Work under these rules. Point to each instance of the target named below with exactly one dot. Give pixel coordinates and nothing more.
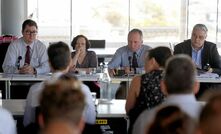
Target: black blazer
(209, 54)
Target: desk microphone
(130, 62)
(18, 62)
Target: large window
(162, 21)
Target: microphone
(130, 62)
(18, 62)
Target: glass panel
(203, 11)
(101, 19)
(53, 18)
(159, 19)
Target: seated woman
(144, 92)
(83, 60)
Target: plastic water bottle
(105, 80)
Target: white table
(88, 77)
(116, 108)
(16, 106)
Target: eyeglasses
(31, 32)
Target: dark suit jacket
(209, 54)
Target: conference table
(109, 113)
(9, 78)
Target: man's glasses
(31, 32)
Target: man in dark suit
(204, 53)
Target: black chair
(97, 43)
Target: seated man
(27, 55)
(204, 53)
(130, 57)
(62, 102)
(60, 61)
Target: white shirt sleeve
(89, 112)
(7, 123)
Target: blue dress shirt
(196, 57)
(120, 58)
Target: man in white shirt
(7, 123)
(180, 85)
(60, 61)
(27, 55)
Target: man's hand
(27, 69)
(111, 72)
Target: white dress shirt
(186, 102)
(33, 101)
(7, 123)
(39, 57)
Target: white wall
(13, 13)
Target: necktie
(27, 55)
(134, 60)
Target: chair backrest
(4, 43)
(97, 43)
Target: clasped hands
(27, 69)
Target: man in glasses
(27, 55)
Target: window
(162, 21)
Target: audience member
(210, 116)
(145, 92)
(130, 57)
(27, 55)
(172, 120)
(62, 100)
(204, 53)
(60, 127)
(179, 84)
(59, 60)
(7, 123)
(82, 58)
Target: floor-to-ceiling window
(162, 21)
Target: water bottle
(105, 80)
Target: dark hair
(179, 74)
(171, 120)
(62, 100)
(210, 115)
(59, 55)
(29, 22)
(135, 30)
(160, 54)
(74, 41)
(212, 108)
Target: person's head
(156, 58)
(59, 56)
(80, 41)
(210, 116)
(60, 126)
(198, 36)
(172, 120)
(64, 100)
(135, 39)
(179, 76)
(29, 30)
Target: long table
(9, 78)
(113, 108)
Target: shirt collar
(180, 98)
(138, 51)
(31, 45)
(193, 49)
